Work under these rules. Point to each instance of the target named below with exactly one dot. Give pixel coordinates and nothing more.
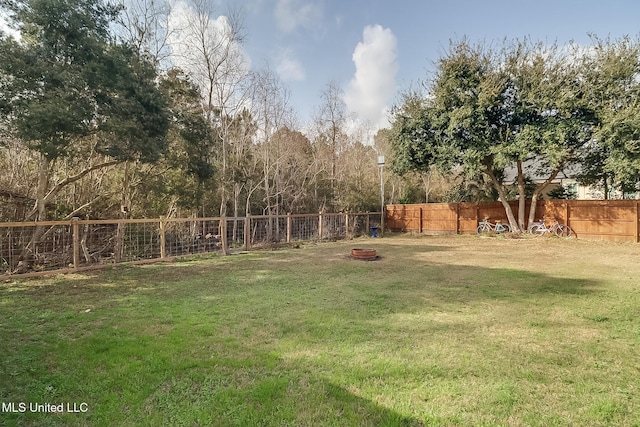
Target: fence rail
(33, 248)
(594, 219)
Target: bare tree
(145, 24)
(269, 100)
(270, 104)
(330, 121)
(210, 51)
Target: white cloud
(291, 14)
(288, 67)
(373, 84)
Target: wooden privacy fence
(32, 248)
(593, 219)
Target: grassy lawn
(439, 331)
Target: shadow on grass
(248, 387)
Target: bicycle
(540, 228)
(486, 227)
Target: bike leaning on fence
(486, 227)
(539, 228)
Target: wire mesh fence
(187, 237)
(37, 247)
(304, 227)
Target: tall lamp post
(381, 169)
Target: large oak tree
(521, 108)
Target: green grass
(439, 331)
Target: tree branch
(546, 183)
(78, 176)
(86, 205)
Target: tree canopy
(529, 108)
(68, 78)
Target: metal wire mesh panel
(137, 241)
(304, 227)
(267, 230)
(192, 237)
(357, 226)
(97, 243)
(32, 248)
(333, 226)
(12, 244)
(235, 232)
(258, 231)
(375, 219)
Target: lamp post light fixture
(381, 169)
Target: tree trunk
(538, 191)
(426, 181)
(38, 213)
(223, 187)
(522, 201)
(41, 190)
(503, 198)
(533, 207)
(237, 188)
(118, 250)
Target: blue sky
(312, 42)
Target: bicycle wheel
(500, 228)
(537, 229)
(507, 228)
(532, 226)
(564, 231)
(569, 231)
(483, 228)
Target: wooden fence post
(420, 223)
(346, 225)
(289, 227)
(223, 234)
(458, 218)
(163, 238)
(75, 230)
(320, 226)
(367, 224)
(247, 232)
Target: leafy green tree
(555, 121)
(611, 70)
(183, 181)
(189, 126)
(485, 111)
(66, 79)
(461, 123)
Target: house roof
(538, 173)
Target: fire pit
(364, 254)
